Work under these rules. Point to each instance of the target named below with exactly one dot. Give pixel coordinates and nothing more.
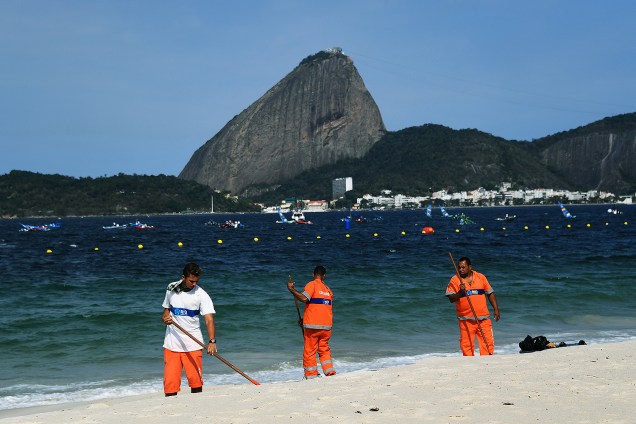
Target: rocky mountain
(320, 113)
(600, 156)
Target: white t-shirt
(185, 308)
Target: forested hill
(25, 193)
(419, 160)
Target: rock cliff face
(319, 113)
(602, 161)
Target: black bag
(530, 344)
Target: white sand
(579, 384)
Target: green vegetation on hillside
(32, 194)
(424, 159)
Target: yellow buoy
(180, 244)
(96, 249)
(289, 238)
(588, 225)
(547, 227)
(49, 251)
(375, 234)
(403, 233)
(607, 223)
(625, 223)
(569, 225)
(347, 236)
(457, 230)
(317, 237)
(219, 241)
(481, 229)
(255, 238)
(525, 227)
(503, 228)
(140, 246)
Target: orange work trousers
(173, 362)
(317, 341)
(468, 330)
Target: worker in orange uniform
(478, 289)
(317, 321)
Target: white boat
(115, 226)
(299, 217)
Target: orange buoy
(428, 230)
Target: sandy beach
(578, 384)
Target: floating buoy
(569, 225)
(607, 223)
(588, 225)
(625, 223)
(375, 234)
(318, 237)
(289, 238)
(347, 236)
(428, 230)
(96, 249)
(481, 229)
(180, 244)
(525, 227)
(403, 233)
(547, 227)
(140, 246)
(49, 251)
(457, 230)
(503, 228)
(255, 238)
(219, 241)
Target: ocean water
(83, 322)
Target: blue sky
(99, 87)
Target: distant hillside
(420, 160)
(31, 194)
(601, 155)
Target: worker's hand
(497, 316)
(462, 290)
(211, 349)
(290, 285)
(167, 318)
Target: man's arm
(209, 324)
(460, 293)
(493, 301)
(166, 317)
(298, 295)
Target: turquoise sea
(83, 321)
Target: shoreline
(580, 384)
(167, 214)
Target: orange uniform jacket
(477, 291)
(318, 314)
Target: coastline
(577, 384)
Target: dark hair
(320, 271)
(465, 259)
(191, 268)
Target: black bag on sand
(530, 344)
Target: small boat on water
(565, 212)
(283, 219)
(360, 219)
(614, 211)
(46, 227)
(507, 218)
(299, 217)
(231, 224)
(141, 226)
(115, 226)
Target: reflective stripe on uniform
(472, 318)
(182, 312)
(317, 327)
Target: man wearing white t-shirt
(183, 304)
